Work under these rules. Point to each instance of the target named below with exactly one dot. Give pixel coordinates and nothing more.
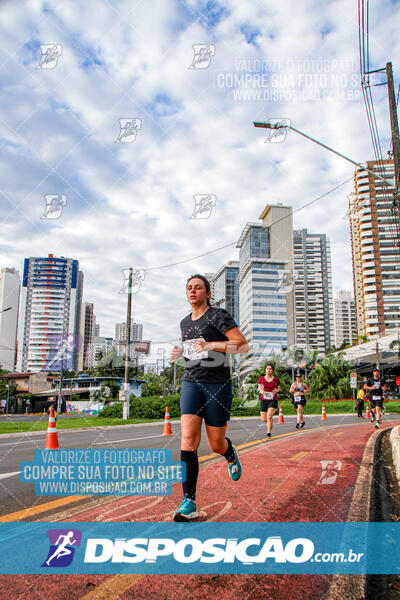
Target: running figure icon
(62, 549)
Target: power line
(180, 262)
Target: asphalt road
(16, 495)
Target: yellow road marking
(40, 508)
(299, 455)
(113, 588)
(35, 510)
(338, 433)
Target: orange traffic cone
(52, 438)
(281, 419)
(323, 416)
(367, 413)
(167, 423)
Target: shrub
(148, 407)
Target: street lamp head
(270, 125)
(6, 309)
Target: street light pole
(127, 345)
(278, 126)
(8, 397)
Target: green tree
(168, 372)
(156, 385)
(393, 345)
(279, 372)
(109, 390)
(330, 379)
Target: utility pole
(395, 129)
(377, 355)
(127, 346)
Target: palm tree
(330, 379)
(393, 345)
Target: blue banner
(124, 472)
(200, 548)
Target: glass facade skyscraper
(226, 288)
(265, 293)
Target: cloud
(130, 203)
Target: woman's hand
(201, 346)
(176, 353)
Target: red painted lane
(279, 483)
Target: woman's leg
(223, 445)
(300, 414)
(190, 440)
(270, 414)
(263, 416)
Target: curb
(395, 444)
(355, 586)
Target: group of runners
(208, 335)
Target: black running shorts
(266, 404)
(299, 400)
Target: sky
(122, 112)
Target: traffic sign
(353, 380)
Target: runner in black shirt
(376, 386)
(208, 333)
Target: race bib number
(376, 398)
(190, 353)
(268, 396)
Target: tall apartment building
(344, 318)
(100, 347)
(313, 291)
(374, 230)
(226, 288)
(210, 277)
(266, 295)
(85, 360)
(10, 284)
(136, 335)
(51, 297)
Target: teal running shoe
(235, 469)
(186, 511)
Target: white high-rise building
(345, 318)
(10, 284)
(87, 334)
(210, 277)
(51, 297)
(313, 291)
(375, 241)
(100, 347)
(136, 335)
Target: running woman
(268, 386)
(376, 387)
(208, 333)
(298, 389)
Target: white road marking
(5, 475)
(128, 440)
